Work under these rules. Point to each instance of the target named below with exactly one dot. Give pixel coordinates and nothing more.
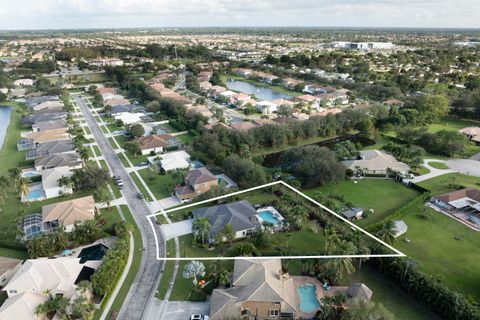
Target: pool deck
(321, 293)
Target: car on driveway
(199, 317)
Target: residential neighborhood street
(144, 285)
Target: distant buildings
(362, 45)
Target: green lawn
(186, 139)
(443, 184)
(13, 253)
(438, 165)
(167, 272)
(383, 196)
(395, 300)
(451, 124)
(137, 258)
(111, 216)
(182, 290)
(140, 186)
(160, 184)
(435, 247)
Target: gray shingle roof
(59, 160)
(239, 214)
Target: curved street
(141, 293)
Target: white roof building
(23, 82)
(377, 162)
(267, 107)
(129, 118)
(175, 160)
(400, 228)
(38, 275)
(50, 179)
(22, 306)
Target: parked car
(140, 195)
(199, 317)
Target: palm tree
(42, 310)
(301, 214)
(332, 240)
(84, 286)
(224, 278)
(65, 182)
(15, 175)
(387, 232)
(201, 228)
(23, 186)
(177, 177)
(84, 155)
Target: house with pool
(261, 290)
(241, 215)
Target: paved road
(434, 172)
(465, 166)
(176, 310)
(143, 288)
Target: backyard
(384, 196)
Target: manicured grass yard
(451, 124)
(438, 165)
(167, 272)
(160, 184)
(443, 184)
(384, 196)
(435, 247)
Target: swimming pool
(268, 216)
(30, 174)
(34, 195)
(95, 252)
(308, 298)
(196, 164)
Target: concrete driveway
(177, 229)
(176, 310)
(169, 202)
(465, 166)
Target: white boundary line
(194, 204)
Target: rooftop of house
(59, 160)
(67, 212)
(50, 124)
(471, 193)
(199, 176)
(22, 306)
(238, 214)
(256, 281)
(155, 141)
(376, 160)
(50, 177)
(49, 135)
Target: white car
(199, 317)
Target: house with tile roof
(50, 148)
(22, 306)
(51, 187)
(49, 135)
(259, 290)
(71, 160)
(66, 213)
(49, 125)
(157, 143)
(197, 181)
(376, 162)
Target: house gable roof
(67, 212)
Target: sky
(73, 14)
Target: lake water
(261, 93)
(4, 121)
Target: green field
(167, 272)
(443, 184)
(451, 124)
(160, 184)
(445, 249)
(383, 196)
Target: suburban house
(23, 82)
(41, 117)
(116, 101)
(267, 107)
(157, 143)
(123, 108)
(290, 83)
(463, 205)
(66, 213)
(375, 162)
(177, 160)
(50, 185)
(472, 133)
(259, 291)
(71, 160)
(22, 306)
(241, 215)
(315, 89)
(243, 126)
(49, 125)
(49, 105)
(306, 99)
(38, 275)
(33, 101)
(8, 267)
(202, 109)
(49, 135)
(197, 181)
(50, 148)
(129, 118)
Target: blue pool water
(308, 298)
(197, 164)
(268, 216)
(35, 195)
(30, 174)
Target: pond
(271, 160)
(261, 93)
(5, 112)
